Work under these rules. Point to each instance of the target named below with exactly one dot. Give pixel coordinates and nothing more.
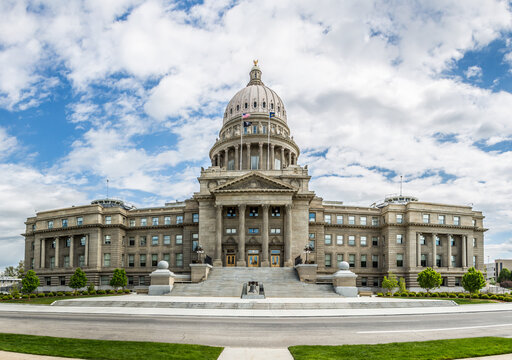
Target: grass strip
(418, 350)
(49, 300)
(105, 349)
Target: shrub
(452, 295)
(501, 297)
(6, 297)
(443, 294)
(120, 291)
(484, 296)
(60, 293)
(419, 295)
(50, 294)
(101, 292)
(404, 294)
(24, 296)
(41, 295)
(396, 294)
(412, 294)
(493, 297)
(68, 293)
(92, 292)
(127, 291)
(85, 292)
(434, 294)
(380, 294)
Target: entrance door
(230, 260)
(275, 260)
(254, 260)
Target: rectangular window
(328, 239)
(438, 260)
(312, 217)
(441, 219)
(104, 280)
(375, 221)
(362, 240)
(106, 259)
(426, 218)
(339, 258)
(399, 218)
(50, 224)
(131, 241)
(458, 281)
(231, 164)
(64, 222)
(62, 280)
(48, 280)
(375, 282)
(231, 212)
(454, 261)
(351, 220)
(179, 260)
(108, 240)
(456, 220)
(311, 244)
(275, 231)
(132, 222)
(327, 219)
(81, 260)
(167, 220)
(154, 259)
(154, 221)
(438, 241)
(255, 129)
(424, 260)
(351, 240)
(108, 220)
(474, 260)
(66, 261)
(375, 261)
(167, 257)
(142, 260)
(231, 231)
(143, 222)
(253, 211)
(399, 239)
(452, 241)
(195, 217)
(255, 162)
(130, 280)
(399, 260)
(254, 231)
(179, 219)
(474, 222)
(195, 245)
(143, 241)
(328, 260)
(339, 219)
(364, 281)
(131, 260)
(311, 235)
(277, 164)
(53, 244)
(142, 280)
(339, 239)
(276, 211)
(422, 240)
(352, 260)
(474, 242)
(179, 239)
(68, 242)
(363, 261)
(167, 239)
(375, 241)
(362, 220)
(79, 221)
(154, 240)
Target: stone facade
(254, 208)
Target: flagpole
(241, 141)
(268, 143)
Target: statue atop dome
(255, 62)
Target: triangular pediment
(254, 182)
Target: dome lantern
(255, 75)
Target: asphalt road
(260, 332)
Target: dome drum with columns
(255, 152)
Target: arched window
(246, 105)
(272, 106)
(238, 108)
(264, 104)
(231, 111)
(255, 104)
(279, 109)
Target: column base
(217, 263)
(241, 263)
(288, 263)
(264, 263)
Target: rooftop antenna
(107, 189)
(401, 178)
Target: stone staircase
(277, 283)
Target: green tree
(473, 281)
(119, 279)
(505, 275)
(17, 272)
(30, 282)
(429, 279)
(401, 285)
(389, 282)
(78, 280)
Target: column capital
(288, 207)
(242, 206)
(265, 206)
(272, 146)
(260, 144)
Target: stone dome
(162, 265)
(255, 98)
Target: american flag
(245, 116)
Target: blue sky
(134, 91)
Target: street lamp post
(199, 252)
(307, 250)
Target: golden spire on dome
(255, 62)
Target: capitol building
(254, 208)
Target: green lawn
(472, 301)
(49, 300)
(103, 349)
(420, 350)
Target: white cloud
(473, 72)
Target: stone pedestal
(344, 281)
(307, 272)
(199, 272)
(162, 279)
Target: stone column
(282, 158)
(241, 236)
(226, 158)
(86, 257)
(216, 159)
(248, 156)
(71, 252)
(260, 165)
(237, 159)
(449, 251)
(289, 157)
(434, 249)
(218, 237)
(418, 257)
(57, 247)
(43, 253)
(37, 254)
(288, 236)
(272, 161)
(464, 251)
(264, 245)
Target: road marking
(426, 330)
